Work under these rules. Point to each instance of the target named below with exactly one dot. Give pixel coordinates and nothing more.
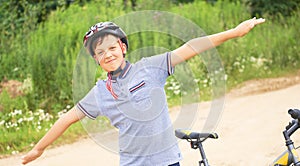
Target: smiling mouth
(110, 61)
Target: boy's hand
(32, 155)
(244, 27)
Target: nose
(107, 54)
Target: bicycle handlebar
(295, 113)
(293, 125)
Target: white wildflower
(252, 59)
(170, 88)
(177, 87)
(41, 111)
(260, 62)
(15, 69)
(176, 92)
(20, 120)
(29, 119)
(15, 152)
(18, 112)
(14, 125)
(236, 64)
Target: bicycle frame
(290, 156)
(198, 145)
(196, 140)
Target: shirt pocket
(137, 87)
(139, 94)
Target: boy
(133, 95)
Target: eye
(113, 47)
(100, 53)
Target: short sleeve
(160, 66)
(88, 105)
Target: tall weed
(48, 55)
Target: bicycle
(287, 158)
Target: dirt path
(250, 132)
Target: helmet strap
(115, 73)
(121, 45)
(111, 75)
(109, 86)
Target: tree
(272, 7)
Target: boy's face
(109, 53)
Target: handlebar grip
(295, 113)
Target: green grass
(46, 58)
(25, 138)
(22, 128)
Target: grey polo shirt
(146, 135)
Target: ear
(124, 48)
(96, 60)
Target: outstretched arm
(198, 45)
(56, 130)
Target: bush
(47, 55)
(272, 7)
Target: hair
(95, 40)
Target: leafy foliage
(272, 7)
(41, 45)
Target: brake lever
(291, 123)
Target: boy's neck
(117, 72)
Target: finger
(259, 21)
(25, 160)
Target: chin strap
(110, 75)
(109, 85)
(113, 73)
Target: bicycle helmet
(101, 29)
